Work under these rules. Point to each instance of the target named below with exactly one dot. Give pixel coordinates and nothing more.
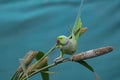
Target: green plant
(41, 65)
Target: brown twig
(87, 54)
(77, 57)
(92, 53)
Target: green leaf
(49, 72)
(85, 64)
(14, 77)
(90, 68)
(45, 76)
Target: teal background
(34, 25)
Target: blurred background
(34, 25)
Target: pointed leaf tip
(85, 64)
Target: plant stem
(53, 48)
(37, 71)
(78, 57)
